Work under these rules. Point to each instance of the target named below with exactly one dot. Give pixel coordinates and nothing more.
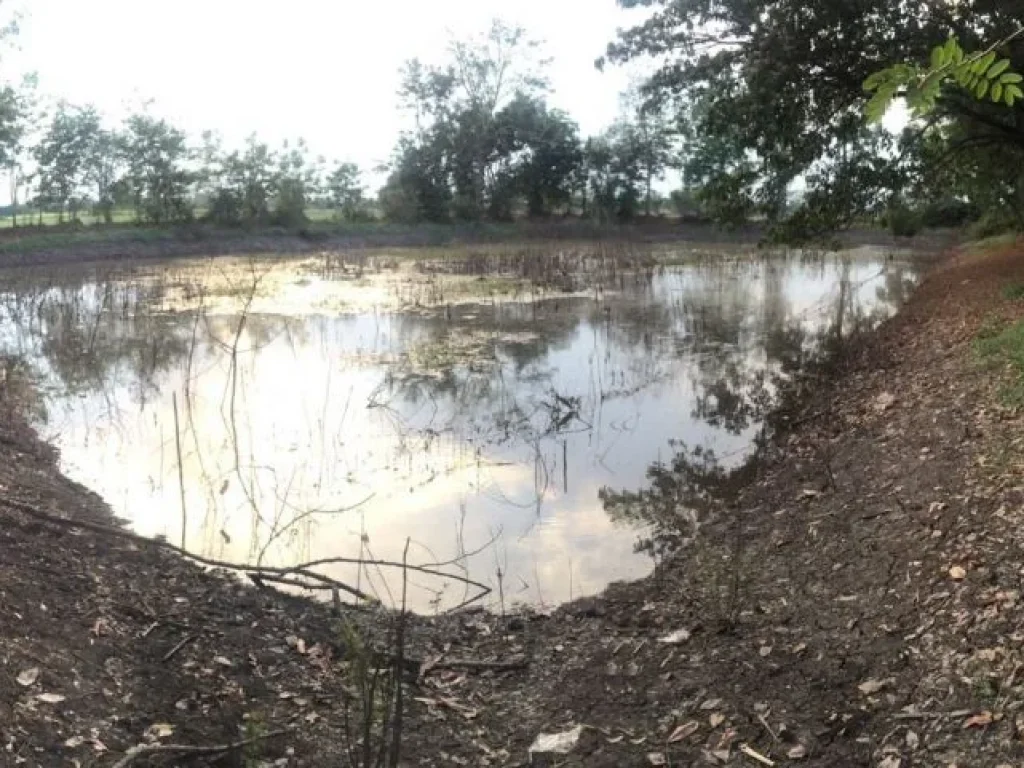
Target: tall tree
(156, 173)
(62, 155)
(455, 143)
(345, 190)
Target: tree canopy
(770, 92)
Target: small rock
(657, 758)
(28, 677)
(956, 573)
(912, 740)
(799, 752)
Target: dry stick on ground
(252, 571)
(147, 749)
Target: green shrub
(903, 221)
(948, 212)
(996, 221)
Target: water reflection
(560, 439)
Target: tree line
(483, 143)
(758, 104)
(67, 160)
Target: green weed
(1005, 348)
(1013, 291)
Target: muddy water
(505, 423)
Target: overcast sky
(325, 70)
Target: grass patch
(991, 243)
(1013, 291)
(1004, 348)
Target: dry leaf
(979, 721)
(710, 704)
(957, 573)
(160, 730)
(675, 638)
(222, 660)
(51, 698)
(869, 687)
(797, 753)
(913, 740)
(684, 731)
(892, 761)
(28, 677)
(716, 719)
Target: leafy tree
(103, 165)
(19, 115)
(156, 174)
(250, 177)
(298, 180)
(62, 155)
(652, 138)
(459, 158)
(345, 190)
(772, 89)
(541, 152)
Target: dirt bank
(34, 246)
(857, 604)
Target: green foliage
(768, 92)
(903, 221)
(982, 75)
(994, 222)
(948, 212)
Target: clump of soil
(857, 604)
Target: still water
(501, 422)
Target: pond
(499, 411)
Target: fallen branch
(146, 749)
(264, 572)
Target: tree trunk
(14, 197)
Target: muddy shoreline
(815, 622)
(54, 245)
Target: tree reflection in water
(311, 431)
